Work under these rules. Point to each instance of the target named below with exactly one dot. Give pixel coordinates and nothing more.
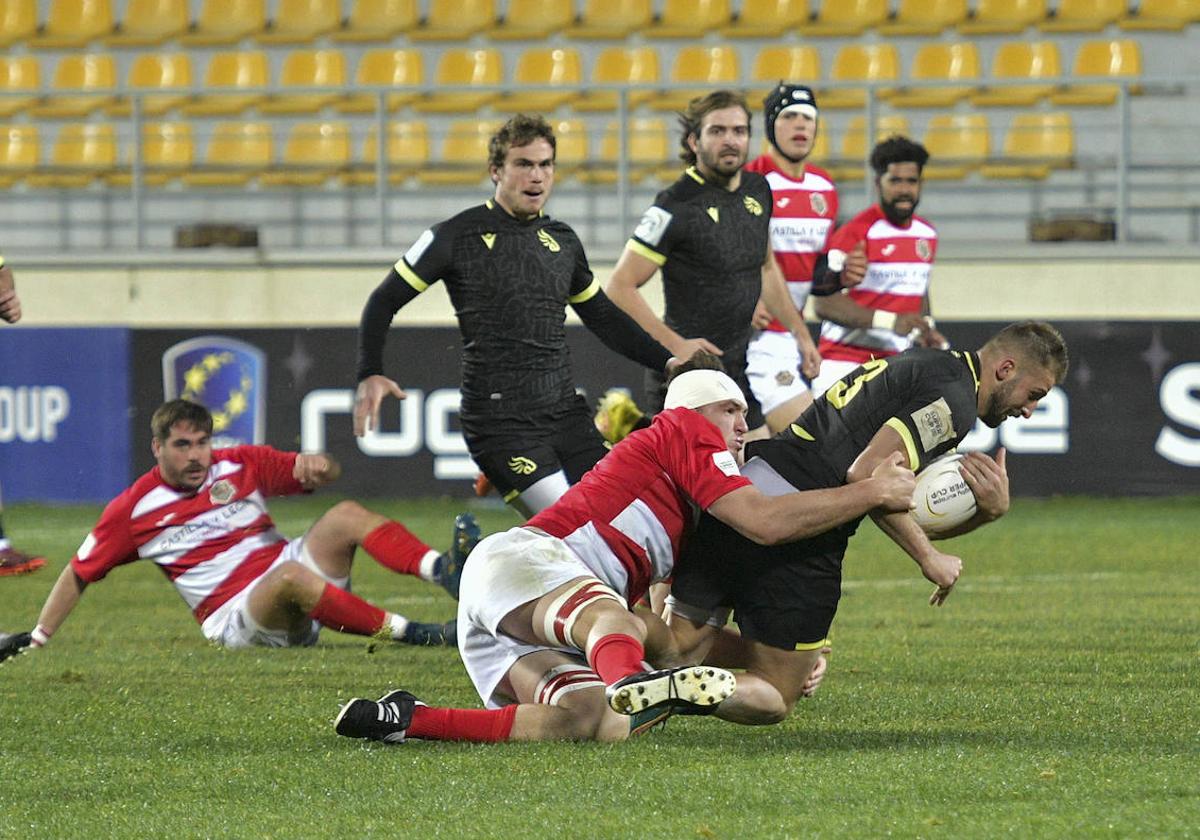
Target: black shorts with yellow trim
(515, 454)
(783, 596)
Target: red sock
(615, 656)
(346, 613)
(397, 548)
(477, 725)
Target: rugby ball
(942, 498)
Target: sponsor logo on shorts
(784, 378)
(522, 465)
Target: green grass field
(1055, 695)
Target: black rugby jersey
(509, 281)
(710, 244)
(928, 396)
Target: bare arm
(776, 300)
(623, 288)
(769, 520)
(61, 601)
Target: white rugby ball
(943, 499)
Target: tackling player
(916, 406)
(889, 311)
(201, 516)
(510, 270)
(546, 628)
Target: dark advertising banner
(1126, 421)
(64, 414)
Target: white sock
(5, 544)
(398, 625)
(427, 564)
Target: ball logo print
(228, 377)
(943, 499)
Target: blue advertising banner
(64, 414)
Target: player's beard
(712, 161)
(995, 412)
(897, 215)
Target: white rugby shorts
(773, 369)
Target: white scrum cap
(701, 387)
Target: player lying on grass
(201, 515)
(913, 407)
(546, 630)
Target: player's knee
(590, 719)
(347, 512)
(291, 579)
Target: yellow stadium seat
(706, 67)
(941, 63)
(869, 63)
(1084, 15)
(925, 17)
(19, 74)
(648, 151)
(846, 17)
(793, 64)
(766, 18)
(223, 22)
(20, 152)
(384, 68)
(539, 66)
(168, 151)
(73, 23)
(1003, 17)
(1166, 15)
(81, 153)
(1015, 61)
(307, 69)
(227, 72)
(476, 68)
(157, 72)
(237, 153)
(689, 18)
(378, 20)
(958, 144)
(301, 21)
(313, 153)
(1101, 60)
(464, 154)
(612, 19)
(455, 20)
(18, 21)
(148, 22)
(570, 147)
(621, 65)
(1034, 145)
(74, 76)
(407, 152)
(854, 141)
(533, 20)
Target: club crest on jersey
(924, 250)
(818, 203)
(222, 492)
(751, 204)
(784, 378)
(226, 376)
(522, 465)
(489, 239)
(714, 214)
(548, 240)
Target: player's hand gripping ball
(942, 498)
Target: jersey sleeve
(272, 468)
(108, 545)
(429, 258)
(697, 459)
(584, 284)
(658, 231)
(849, 234)
(935, 419)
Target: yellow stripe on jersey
(650, 254)
(801, 432)
(410, 276)
(510, 495)
(1, 261)
(694, 174)
(812, 645)
(974, 373)
(587, 294)
(914, 460)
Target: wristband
(39, 636)
(836, 260)
(883, 320)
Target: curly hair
(699, 108)
(520, 130)
(897, 149)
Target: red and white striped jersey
(899, 263)
(212, 543)
(627, 517)
(801, 221)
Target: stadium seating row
(73, 23)
(85, 83)
(316, 152)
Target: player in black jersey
(921, 404)
(510, 270)
(709, 234)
